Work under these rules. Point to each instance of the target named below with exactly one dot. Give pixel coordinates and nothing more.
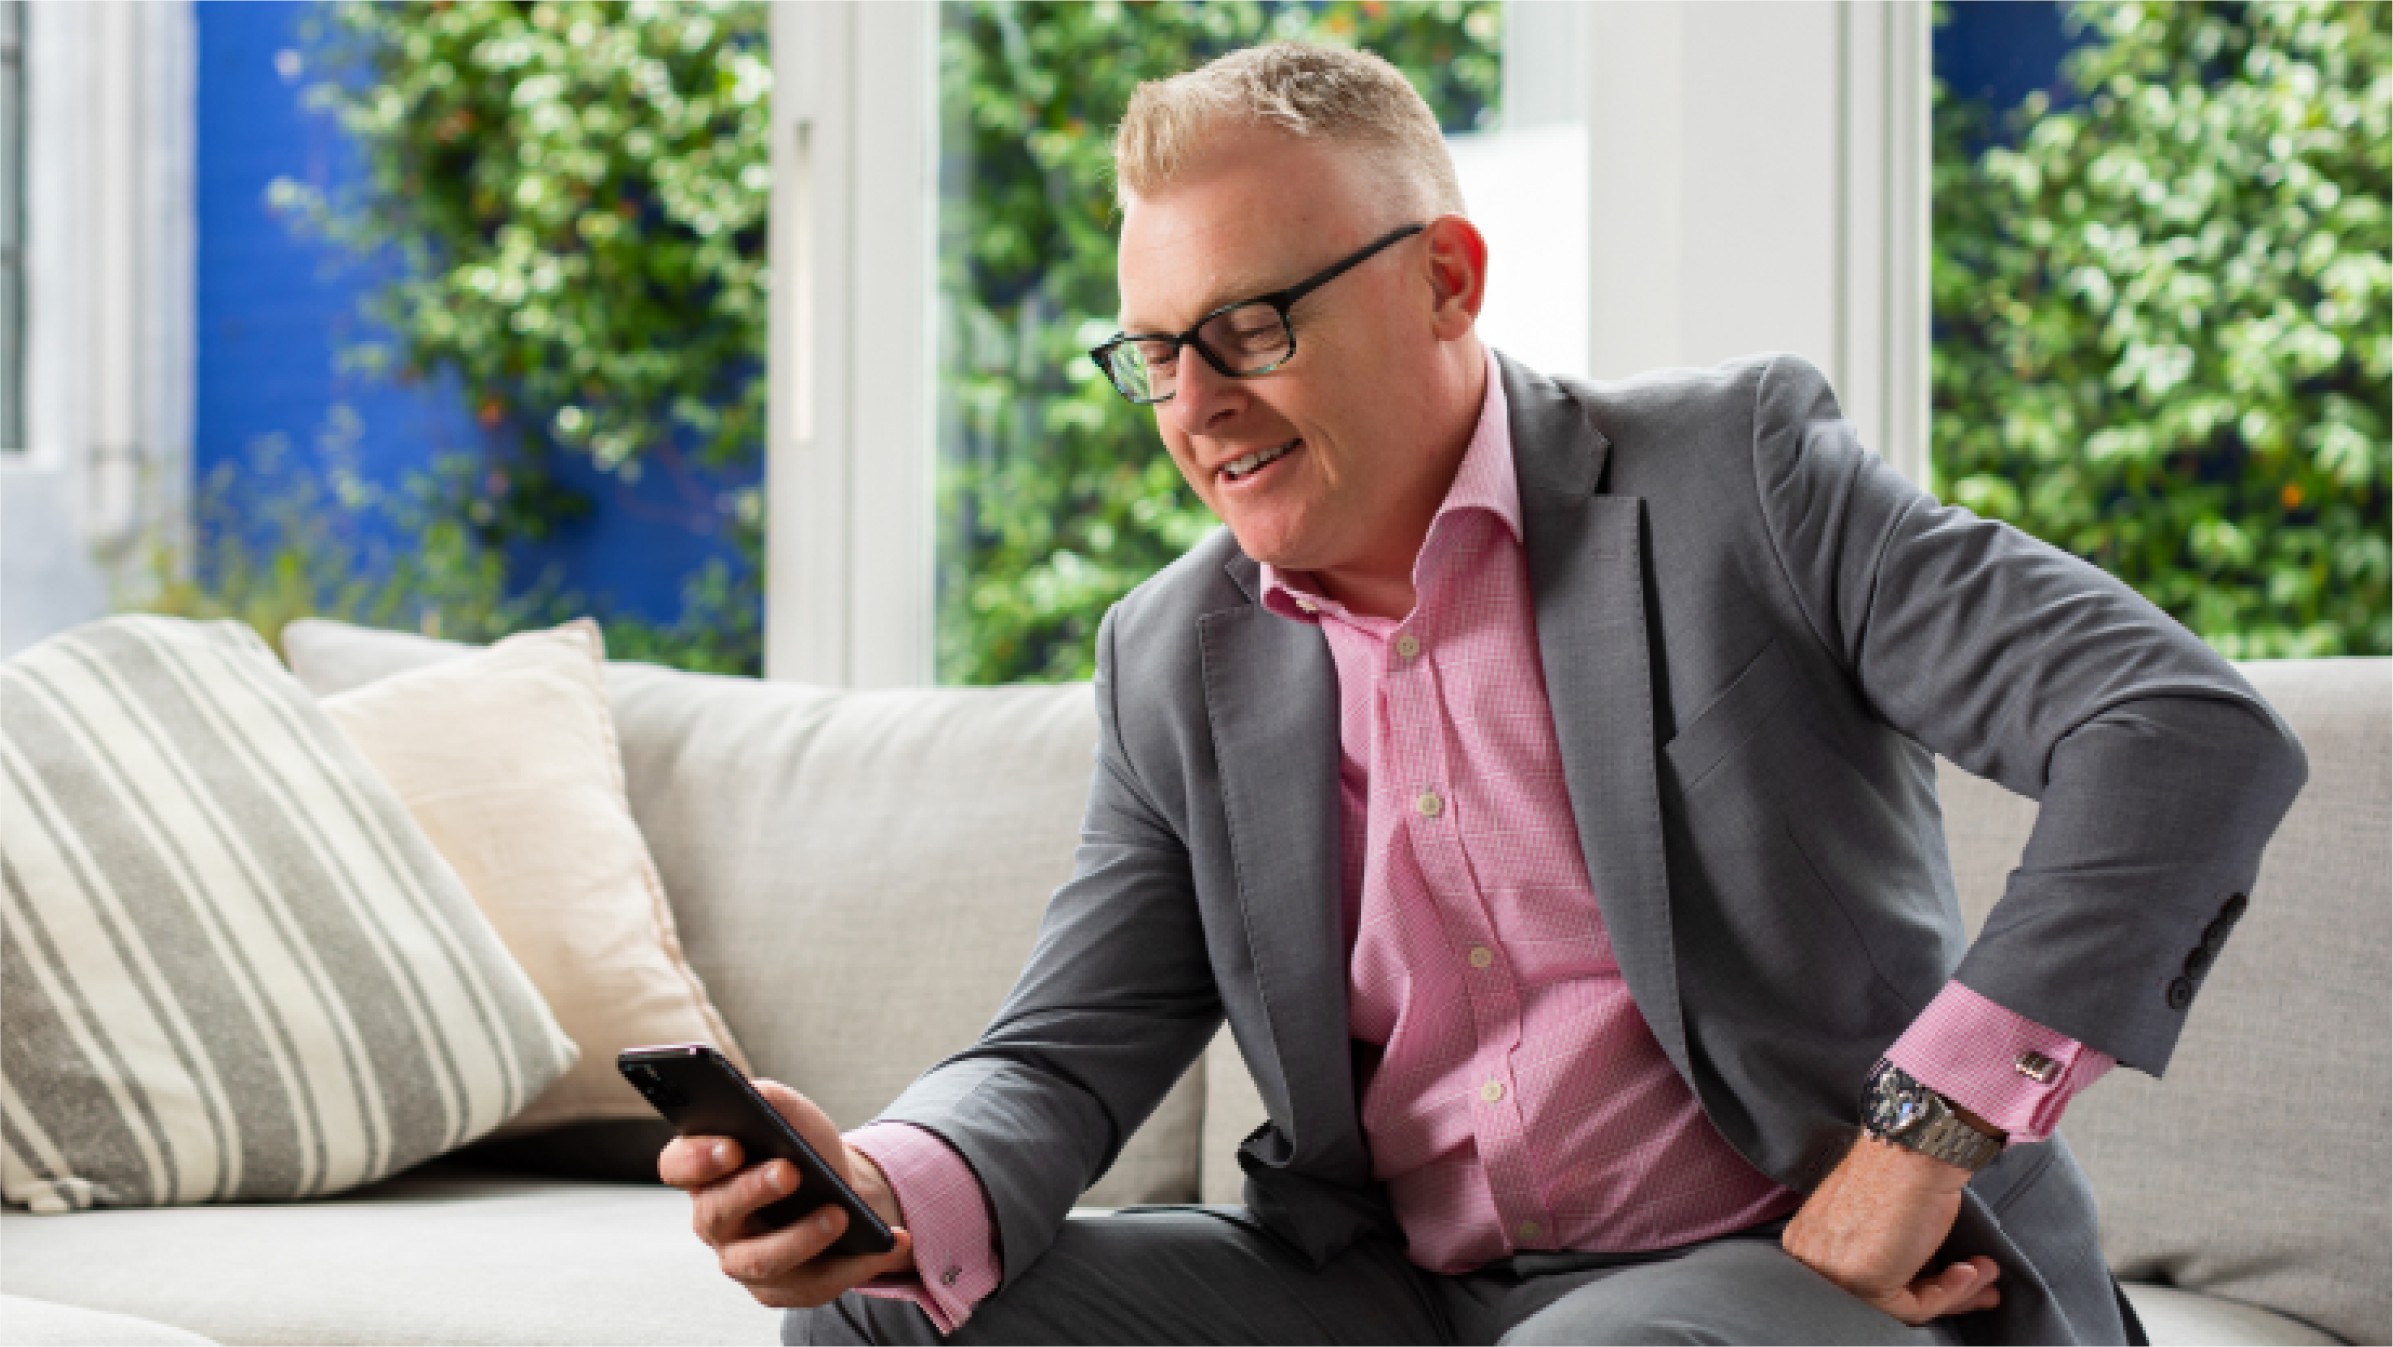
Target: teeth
(1240, 467)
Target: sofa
(857, 875)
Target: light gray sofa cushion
(2174, 1318)
(41, 1323)
(2258, 1169)
(442, 1254)
(858, 876)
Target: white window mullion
(849, 573)
(1758, 181)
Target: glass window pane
(1055, 497)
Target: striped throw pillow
(232, 968)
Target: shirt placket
(1413, 682)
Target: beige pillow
(507, 758)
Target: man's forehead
(1231, 229)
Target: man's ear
(1457, 274)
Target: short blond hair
(1350, 98)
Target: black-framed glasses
(1241, 340)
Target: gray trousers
(1211, 1274)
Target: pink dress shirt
(1516, 1099)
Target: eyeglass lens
(1245, 340)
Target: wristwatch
(1898, 1109)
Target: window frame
(1813, 221)
(110, 355)
(849, 585)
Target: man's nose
(1203, 397)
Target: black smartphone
(703, 1095)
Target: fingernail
(776, 1179)
(722, 1152)
(822, 1221)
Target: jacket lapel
(1271, 699)
(1587, 574)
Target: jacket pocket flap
(1732, 717)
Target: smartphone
(703, 1095)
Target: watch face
(1897, 1103)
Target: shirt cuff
(955, 1251)
(2009, 1070)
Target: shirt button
(1408, 645)
(948, 1278)
(1308, 605)
(1482, 956)
(1429, 804)
(1492, 1091)
(1530, 1230)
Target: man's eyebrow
(1233, 292)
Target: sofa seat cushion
(40, 1323)
(2174, 1318)
(441, 1254)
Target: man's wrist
(1913, 1170)
(874, 1187)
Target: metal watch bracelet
(1898, 1109)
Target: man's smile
(1244, 467)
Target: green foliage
(571, 199)
(321, 546)
(1055, 497)
(2164, 317)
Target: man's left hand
(1875, 1221)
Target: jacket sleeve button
(2198, 961)
(2233, 911)
(2181, 993)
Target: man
(1537, 774)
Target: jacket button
(2181, 993)
(2198, 961)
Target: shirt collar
(1487, 481)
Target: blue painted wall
(2000, 51)
(275, 312)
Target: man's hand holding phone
(791, 1267)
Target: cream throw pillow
(507, 758)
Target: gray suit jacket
(1754, 637)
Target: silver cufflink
(2037, 1067)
